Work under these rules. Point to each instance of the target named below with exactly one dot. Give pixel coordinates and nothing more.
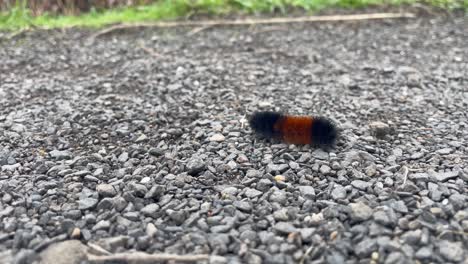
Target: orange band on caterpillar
(300, 130)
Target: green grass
(19, 17)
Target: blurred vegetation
(18, 14)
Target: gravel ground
(138, 141)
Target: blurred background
(16, 14)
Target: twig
(140, 257)
(306, 254)
(97, 250)
(16, 34)
(149, 51)
(405, 175)
(243, 121)
(197, 30)
(453, 232)
(279, 20)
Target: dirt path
(138, 141)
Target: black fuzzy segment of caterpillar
(299, 130)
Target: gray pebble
(419, 177)
(11, 167)
(395, 258)
(195, 166)
(87, 203)
(106, 204)
(320, 154)
(73, 214)
(281, 215)
(177, 216)
(424, 253)
(379, 129)
(293, 165)
(305, 157)
(365, 247)
(444, 151)
(219, 242)
(360, 211)
(361, 185)
(325, 169)
(339, 192)
(252, 193)
(11, 160)
(244, 206)
(156, 152)
(307, 233)
(106, 190)
(371, 170)
(230, 191)
(399, 206)
(253, 174)
(385, 216)
(254, 259)
(120, 203)
(276, 168)
(264, 185)
(445, 176)
(132, 216)
(248, 235)
(123, 157)
(217, 138)
(458, 201)
(60, 154)
(102, 225)
(139, 190)
(141, 138)
(307, 191)
(417, 155)
(278, 197)
(284, 228)
(150, 210)
(220, 228)
(412, 237)
(451, 251)
(155, 192)
(335, 258)
(151, 230)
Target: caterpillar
(299, 130)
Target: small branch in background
(278, 20)
(197, 30)
(149, 50)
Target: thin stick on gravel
(97, 250)
(306, 254)
(278, 20)
(453, 232)
(405, 175)
(149, 51)
(140, 257)
(197, 30)
(243, 121)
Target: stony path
(138, 142)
